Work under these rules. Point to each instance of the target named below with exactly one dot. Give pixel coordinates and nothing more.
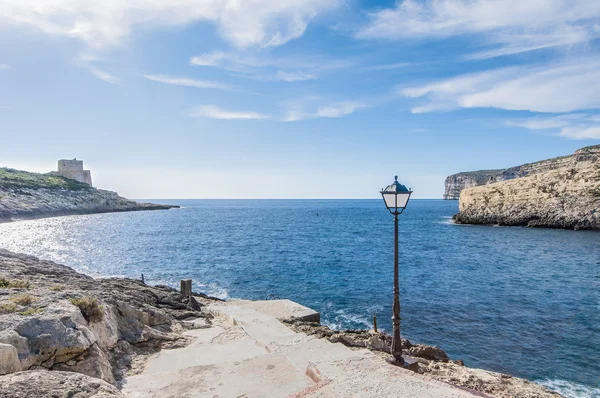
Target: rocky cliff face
(559, 193)
(457, 182)
(25, 195)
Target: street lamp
(395, 197)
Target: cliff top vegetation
(18, 179)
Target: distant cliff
(557, 193)
(457, 182)
(25, 195)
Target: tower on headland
(73, 169)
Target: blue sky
(297, 99)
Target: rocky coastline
(456, 183)
(564, 197)
(65, 332)
(25, 195)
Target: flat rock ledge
(54, 318)
(432, 361)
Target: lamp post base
(405, 362)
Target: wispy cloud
(577, 126)
(264, 23)
(562, 87)
(293, 111)
(3, 66)
(294, 76)
(398, 65)
(504, 27)
(315, 107)
(187, 82)
(214, 112)
(270, 68)
(103, 75)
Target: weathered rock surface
(565, 197)
(25, 195)
(432, 361)
(457, 182)
(42, 383)
(55, 318)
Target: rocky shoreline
(66, 332)
(565, 197)
(25, 195)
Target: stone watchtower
(73, 169)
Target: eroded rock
(49, 330)
(43, 383)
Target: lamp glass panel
(403, 200)
(390, 200)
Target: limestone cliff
(559, 193)
(25, 195)
(457, 182)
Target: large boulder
(9, 359)
(46, 384)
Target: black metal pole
(396, 341)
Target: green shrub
(90, 308)
(17, 179)
(4, 283)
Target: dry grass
(30, 311)
(57, 288)
(8, 308)
(23, 299)
(5, 283)
(90, 308)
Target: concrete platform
(280, 309)
(249, 353)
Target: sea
(520, 301)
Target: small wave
(570, 389)
(342, 320)
(215, 291)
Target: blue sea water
(514, 300)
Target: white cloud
(265, 67)
(103, 75)
(186, 82)
(505, 26)
(3, 66)
(339, 109)
(296, 110)
(294, 76)
(315, 107)
(109, 22)
(563, 87)
(577, 126)
(214, 112)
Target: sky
(295, 98)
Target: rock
(32, 195)
(428, 352)
(456, 183)
(565, 197)
(55, 335)
(46, 384)
(9, 359)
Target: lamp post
(395, 197)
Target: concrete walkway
(249, 353)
